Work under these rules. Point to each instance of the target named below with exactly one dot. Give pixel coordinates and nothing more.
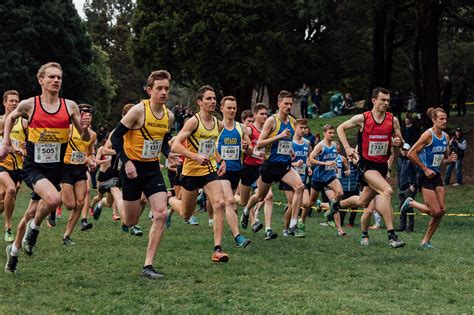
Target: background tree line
(242, 48)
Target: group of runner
(48, 143)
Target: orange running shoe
(59, 212)
(219, 256)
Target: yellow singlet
(202, 141)
(77, 149)
(145, 144)
(14, 161)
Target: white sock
(246, 211)
(268, 228)
(34, 226)
(14, 251)
(293, 223)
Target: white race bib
(15, 142)
(284, 147)
(301, 169)
(47, 152)
(230, 152)
(257, 153)
(207, 147)
(151, 149)
(339, 173)
(329, 168)
(78, 157)
(378, 148)
(437, 159)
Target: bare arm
(316, 151)
(266, 130)
(246, 138)
(398, 140)
(80, 121)
(183, 134)
(424, 140)
(354, 122)
(107, 149)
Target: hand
(221, 170)
(310, 171)
(201, 159)
(347, 173)
(292, 154)
(86, 119)
(130, 170)
(174, 160)
(351, 153)
(429, 173)
(453, 157)
(397, 142)
(285, 134)
(299, 163)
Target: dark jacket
(406, 173)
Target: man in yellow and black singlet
(10, 169)
(49, 117)
(139, 139)
(77, 159)
(199, 134)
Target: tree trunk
(378, 50)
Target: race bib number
(378, 148)
(339, 173)
(329, 168)
(301, 169)
(437, 159)
(47, 152)
(230, 152)
(151, 149)
(258, 153)
(284, 147)
(207, 147)
(78, 157)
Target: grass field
(322, 273)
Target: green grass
(319, 274)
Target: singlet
(77, 149)
(48, 135)
(432, 155)
(144, 144)
(254, 159)
(349, 183)
(375, 139)
(339, 167)
(202, 141)
(323, 173)
(301, 153)
(229, 146)
(280, 150)
(14, 161)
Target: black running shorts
(191, 183)
(149, 181)
(273, 172)
(73, 174)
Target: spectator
(406, 184)
(458, 145)
(309, 136)
(336, 103)
(397, 105)
(446, 95)
(304, 94)
(410, 132)
(462, 96)
(317, 98)
(411, 108)
(347, 104)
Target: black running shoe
(244, 221)
(257, 226)
(68, 241)
(86, 226)
(151, 273)
(270, 235)
(30, 239)
(12, 261)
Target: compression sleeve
(117, 141)
(165, 149)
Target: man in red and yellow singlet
(77, 160)
(139, 139)
(49, 118)
(376, 129)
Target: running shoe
(150, 215)
(301, 225)
(270, 235)
(192, 221)
(219, 256)
(426, 245)
(329, 218)
(285, 233)
(9, 236)
(125, 228)
(51, 223)
(296, 232)
(364, 241)
(406, 205)
(30, 239)
(115, 217)
(150, 273)
(68, 241)
(86, 225)
(244, 221)
(394, 242)
(331, 210)
(257, 226)
(97, 211)
(242, 241)
(318, 206)
(12, 261)
(136, 230)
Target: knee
(10, 191)
(79, 203)
(160, 214)
(269, 197)
(299, 188)
(388, 192)
(219, 206)
(53, 201)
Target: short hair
(301, 121)
(328, 127)
(433, 112)
(227, 98)
(42, 69)
(377, 90)
(258, 107)
(126, 108)
(203, 89)
(85, 107)
(157, 75)
(8, 93)
(283, 94)
(246, 114)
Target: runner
(139, 138)
(49, 118)
(429, 153)
(10, 169)
(200, 133)
(376, 128)
(79, 156)
(276, 136)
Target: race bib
(301, 169)
(284, 147)
(257, 153)
(230, 152)
(378, 148)
(47, 152)
(78, 157)
(437, 159)
(329, 168)
(15, 142)
(151, 149)
(339, 173)
(207, 147)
